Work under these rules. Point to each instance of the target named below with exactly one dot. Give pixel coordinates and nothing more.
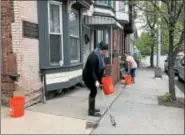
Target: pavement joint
(99, 120)
(57, 114)
(141, 103)
(140, 94)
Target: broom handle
(106, 102)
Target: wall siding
(62, 76)
(27, 52)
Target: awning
(102, 22)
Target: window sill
(105, 6)
(61, 67)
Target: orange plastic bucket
(107, 85)
(17, 106)
(128, 80)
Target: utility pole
(158, 71)
(184, 23)
(0, 43)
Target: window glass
(74, 24)
(99, 36)
(55, 41)
(107, 37)
(75, 49)
(74, 36)
(121, 6)
(54, 18)
(55, 33)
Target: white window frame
(99, 2)
(52, 33)
(77, 37)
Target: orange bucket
(128, 80)
(107, 84)
(17, 106)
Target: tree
(174, 10)
(145, 42)
(172, 15)
(151, 22)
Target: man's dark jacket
(91, 72)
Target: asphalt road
(180, 85)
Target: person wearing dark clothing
(92, 75)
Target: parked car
(177, 62)
(181, 70)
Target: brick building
(29, 48)
(20, 61)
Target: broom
(112, 119)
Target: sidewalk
(66, 114)
(137, 111)
(40, 123)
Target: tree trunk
(152, 52)
(152, 56)
(171, 65)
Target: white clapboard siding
(62, 76)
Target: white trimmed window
(102, 2)
(121, 6)
(74, 36)
(55, 32)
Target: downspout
(111, 46)
(43, 78)
(0, 45)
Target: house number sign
(30, 30)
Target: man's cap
(103, 46)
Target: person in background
(132, 66)
(92, 75)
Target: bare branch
(142, 9)
(153, 25)
(179, 12)
(148, 22)
(165, 1)
(155, 5)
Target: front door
(86, 43)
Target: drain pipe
(111, 46)
(43, 77)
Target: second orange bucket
(128, 79)
(108, 87)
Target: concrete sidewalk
(137, 111)
(41, 123)
(66, 114)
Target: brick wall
(9, 66)
(114, 70)
(27, 52)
